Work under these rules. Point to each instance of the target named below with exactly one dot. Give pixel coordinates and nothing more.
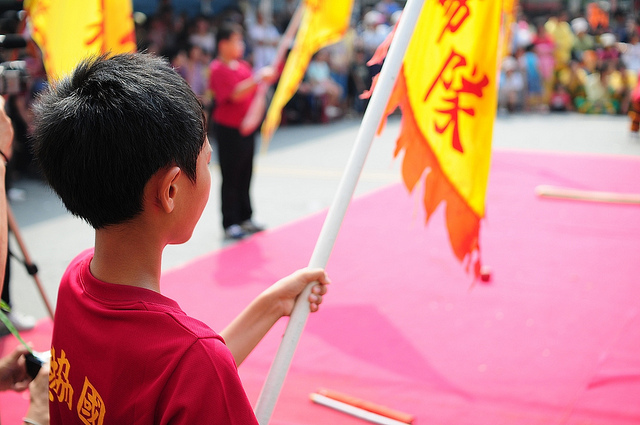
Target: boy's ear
(167, 188)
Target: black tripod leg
(31, 268)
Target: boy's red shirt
(123, 354)
(222, 82)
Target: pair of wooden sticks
(366, 410)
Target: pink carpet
(553, 338)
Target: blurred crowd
(335, 78)
(336, 75)
(561, 63)
(553, 63)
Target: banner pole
(370, 122)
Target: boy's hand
(266, 75)
(246, 330)
(286, 290)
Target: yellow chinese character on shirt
(91, 408)
(59, 378)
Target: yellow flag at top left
(68, 31)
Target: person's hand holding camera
(13, 373)
(6, 133)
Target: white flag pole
(370, 122)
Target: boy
(122, 141)
(234, 86)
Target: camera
(14, 77)
(13, 74)
(34, 361)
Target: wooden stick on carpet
(353, 410)
(368, 405)
(587, 195)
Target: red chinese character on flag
(466, 86)
(457, 11)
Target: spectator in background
(544, 47)
(322, 86)
(573, 79)
(560, 31)
(359, 81)
(387, 8)
(634, 110)
(608, 52)
(631, 53)
(599, 95)
(622, 83)
(179, 62)
(521, 32)
(619, 26)
(560, 100)
(511, 91)
(263, 37)
(530, 64)
(203, 36)
(583, 41)
(339, 58)
(196, 72)
(374, 32)
(157, 35)
(284, 16)
(181, 29)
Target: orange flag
(324, 22)
(447, 91)
(68, 31)
(597, 17)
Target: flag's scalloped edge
(463, 224)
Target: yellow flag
(509, 18)
(68, 31)
(447, 91)
(323, 22)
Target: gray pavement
(297, 176)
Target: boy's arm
(246, 330)
(247, 86)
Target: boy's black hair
(226, 30)
(102, 132)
